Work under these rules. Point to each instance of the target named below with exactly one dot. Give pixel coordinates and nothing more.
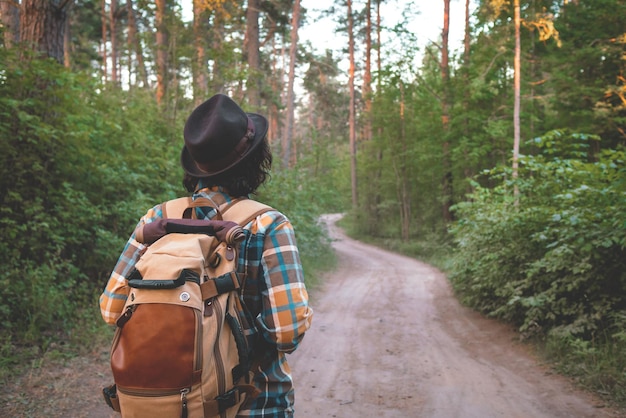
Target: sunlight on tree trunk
(517, 101)
(252, 53)
(200, 92)
(67, 45)
(161, 50)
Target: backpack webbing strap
(241, 210)
(220, 285)
(215, 407)
(244, 210)
(174, 209)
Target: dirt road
(390, 340)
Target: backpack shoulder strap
(244, 210)
(174, 209)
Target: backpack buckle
(228, 400)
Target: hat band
(236, 154)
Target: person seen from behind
(226, 156)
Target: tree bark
(252, 53)
(468, 171)
(103, 44)
(67, 45)
(352, 116)
(217, 35)
(403, 181)
(200, 92)
(161, 50)
(113, 31)
(367, 73)
(288, 158)
(10, 18)
(517, 97)
(445, 114)
(135, 45)
(42, 26)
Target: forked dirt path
(390, 340)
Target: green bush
(77, 169)
(303, 200)
(80, 162)
(554, 258)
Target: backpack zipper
(149, 393)
(199, 338)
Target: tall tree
(517, 92)
(367, 71)
(199, 69)
(162, 40)
(445, 113)
(352, 110)
(104, 41)
(42, 26)
(113, 31)
(293, 49)
(252, 45)
(134, 44)
(67, 44)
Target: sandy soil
(388, 340)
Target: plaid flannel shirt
(274, 294)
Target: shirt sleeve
(113, 298)
(286, 314)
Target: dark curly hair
(242, 179)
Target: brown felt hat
(218, 135)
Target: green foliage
(77, 168)
(79, 164)
(556, 260)
(303, 200)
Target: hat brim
(260, 130)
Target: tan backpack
(179, 349)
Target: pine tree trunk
(135, 44)
(113, 30)
(367, 74)
(288, 158)
(161, 50)
(468, 171)
(252, 52)
(10, 19)
(404, 195)
(42, 26)
(67, 45)
(517, 101)
(352, 116)
(217, 80)
(103, 43)
(445, 115)
(200, 92)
